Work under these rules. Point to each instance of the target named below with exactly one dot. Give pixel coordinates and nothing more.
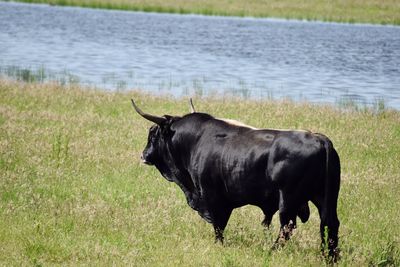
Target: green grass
(364, 11)
(73, 190)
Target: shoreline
(341, 103)
(350, 14)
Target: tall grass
(73, 190)
(367, 11)
(37, 75)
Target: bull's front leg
(219, 211)
(219, 235)
(220, 219)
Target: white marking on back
(241, 124)
(289, 130)
(238, 123)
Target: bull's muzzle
(145, 161)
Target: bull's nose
(144, 160)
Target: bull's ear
(168, 125)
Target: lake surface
(191, 54)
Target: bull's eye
(153, 134)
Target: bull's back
(297, 158)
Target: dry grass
(367, 11)
(73, 191)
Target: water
(190, 54)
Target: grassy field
(365, 11)
(73, 190)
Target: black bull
(222, 164)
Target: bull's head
(155, 147)
(157, 151)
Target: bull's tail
(329, 220)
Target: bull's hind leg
(329, 228)
(287, 216)
(326, 203)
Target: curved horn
(155, 119)
(192, 110)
